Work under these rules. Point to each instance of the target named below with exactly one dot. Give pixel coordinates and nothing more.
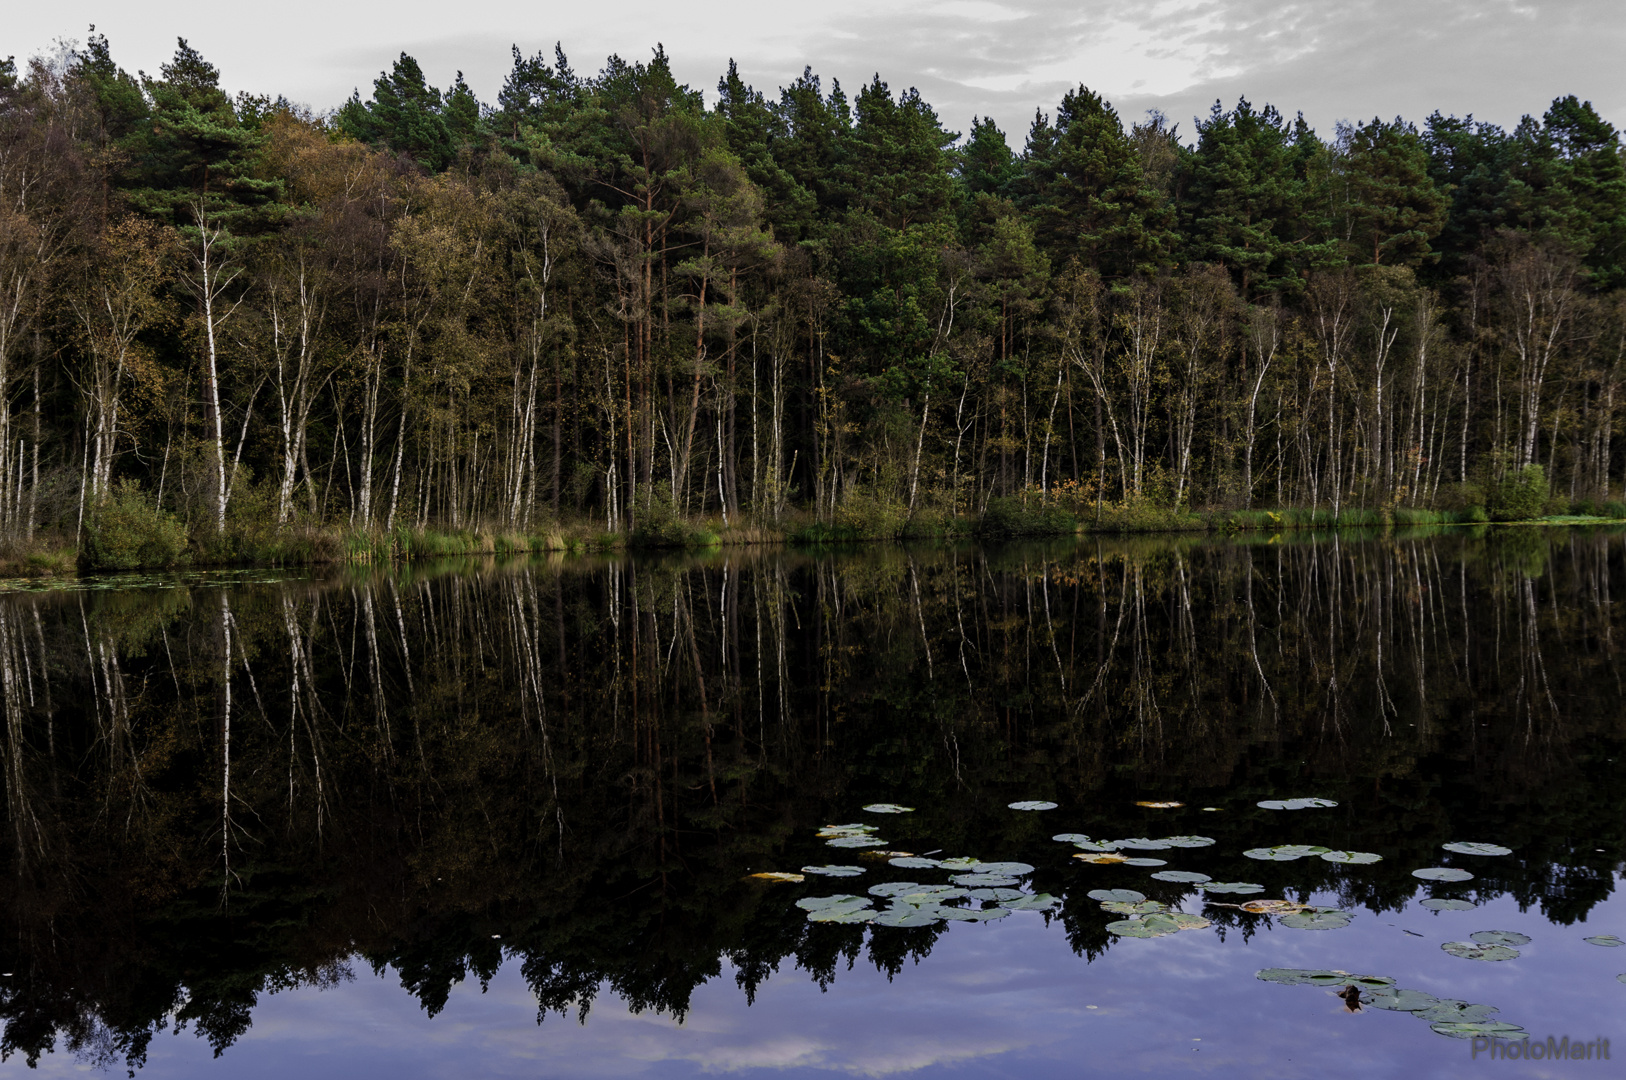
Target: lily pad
(1317, 920)
(888, 808)
(1440, 903)
(1142, 843)
(1124, 896)
(1608, 941)
(842, 915)
(996, 894)
(1144, 907)
(1296, 804)
(1102, 846)
(1189, 841)
(1146, 862)
(1621, 978)
(1184, 877)
(1303, 976)
(906, 916)
(1033, 804)
(1071, 838)
(1396, 999)
(834, 871)
(1009, 869)
(1356, 858)
(959, 862)
(1138, 928)
(1285, 852)
(1477, 849)
(929, 894)
(1160, 805)
(855, 842)
(856, 829)
(979, 879)
(1510, 938)
(914, 862)
(1241, 887)
(1105, 858)
(821, 903)
(1471, 950)
(1036, 902)
(974, 914)
(895, 888)
(1453, 1011)
(1275, 907)
(883, 855)
(1442, 873)
(778, 877)
(1490, 1029)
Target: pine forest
(611, 308)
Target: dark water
(497, 818)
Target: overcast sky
(1346, 59)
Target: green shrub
(1010, 517)
(1520, 496)
(660, 526)
(1474, 515)
(126, 532)
(1613, 508)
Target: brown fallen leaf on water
(873, 854)
(776, 877)
(1268, 907)
(1103, 860)
(1160, 805)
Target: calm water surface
(500, 818)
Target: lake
(1286, 806)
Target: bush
(660, 526)
(126, 532)
(1520, 496)
(1614, 508)
(1009, 517)
(1474, 515)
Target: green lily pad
(1396, 999)
(906, 916)
(1302, 976)
(834, 871)
(1100, 846)
(1072, 838)
(821, 903)
(1608, 941)
(888, 808)
(929, 895)
(1184, 877)
(1241, 887)
(980, 879)
(1137, 928)
(1122, 896)
(1009, 869)
(1357, 858)
(1036, 902)
(1295, 804)
(1144, 907)
(1440, 903)
(857, 828)
(1454, 1011)
(959, 862)
(1189, 841)
(1442, 873)
(973, 914)
(996, 894)
(842, 915)
(1146, 862)
(1494, 1030)
(895, 888)
(1620, 978)
(1470, 950)
(914, 862)
(855, 842)
(1510, 938)
(1033, 804)
(1285, 852)
(1316, 920)
(1142, 843)
(1477, 849)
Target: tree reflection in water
(217, 791)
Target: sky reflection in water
(1003, 999)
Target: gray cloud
(1001, 58)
